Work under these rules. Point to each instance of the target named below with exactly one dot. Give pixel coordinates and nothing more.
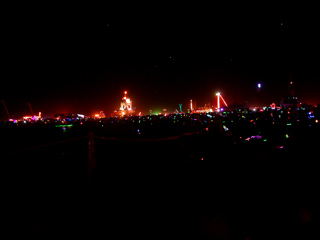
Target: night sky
(79, 58)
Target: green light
(288, 124)
(265, 140)
(64, 125)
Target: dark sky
(80, 58)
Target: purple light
(257, 137)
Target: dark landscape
(208, 183)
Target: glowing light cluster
(34, 117)
(125, 106)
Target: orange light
(125, 92)
(317, 120)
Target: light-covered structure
(126, 108)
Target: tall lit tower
(291, 89)
(218, 100)
(191, 106)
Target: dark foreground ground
(162, 189)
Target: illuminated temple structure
(126, 108)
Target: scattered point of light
(316, 120)
(288, 124)
(264, 140)
(259, 85)
(201, 159)
(287, 136)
